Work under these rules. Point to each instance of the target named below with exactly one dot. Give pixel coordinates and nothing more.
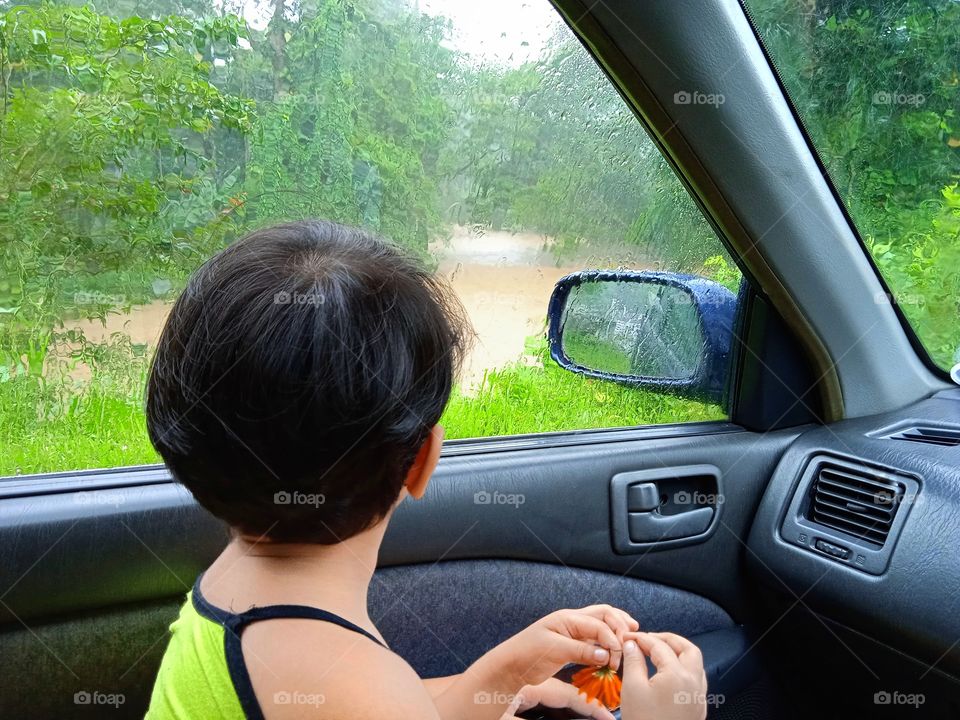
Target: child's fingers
(662, 655)
(555, 693)
(582, 652)
(690, 656)
(619, 620)
(634, 661)
(585, 627)
(516, 706)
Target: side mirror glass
(663, 331)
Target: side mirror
(662, 331)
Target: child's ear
(425, 463)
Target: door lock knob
(643, 497)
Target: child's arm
(306, 669)
(490, 686)
(437, 686)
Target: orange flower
(601, 684)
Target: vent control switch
(832, 550)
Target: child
(295, 392)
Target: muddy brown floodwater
(503, 279)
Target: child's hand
(555, 693)
(676, 692)
(589, 636)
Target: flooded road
(504, 281)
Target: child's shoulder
(300, 667)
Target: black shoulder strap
(234, 624)
(304, 612)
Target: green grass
(45, 431)
(522, 399)
(46, 426)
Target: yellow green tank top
(203, 675)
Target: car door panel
(58, 661)
(443, 616)
(475, 571)
(565, 514)
(129, 544)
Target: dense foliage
(104, 165)
(133, 148)
(878, 85)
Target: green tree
(102, 161)
(550, 147)
(356, 135)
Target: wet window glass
(139, 138)
(878, 88)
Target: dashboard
(861, 520)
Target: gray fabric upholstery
(442, 617)
(116, 651)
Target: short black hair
(297, 376)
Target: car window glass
(139, 138)
(878, 89)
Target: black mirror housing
(667, 332)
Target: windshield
(877, 85)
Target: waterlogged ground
(503, 279)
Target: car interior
(808, 544)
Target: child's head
(297, 377)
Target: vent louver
(945, 437)
(855, 502)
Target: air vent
(855, 502)
(946, 437)
(850, 511)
